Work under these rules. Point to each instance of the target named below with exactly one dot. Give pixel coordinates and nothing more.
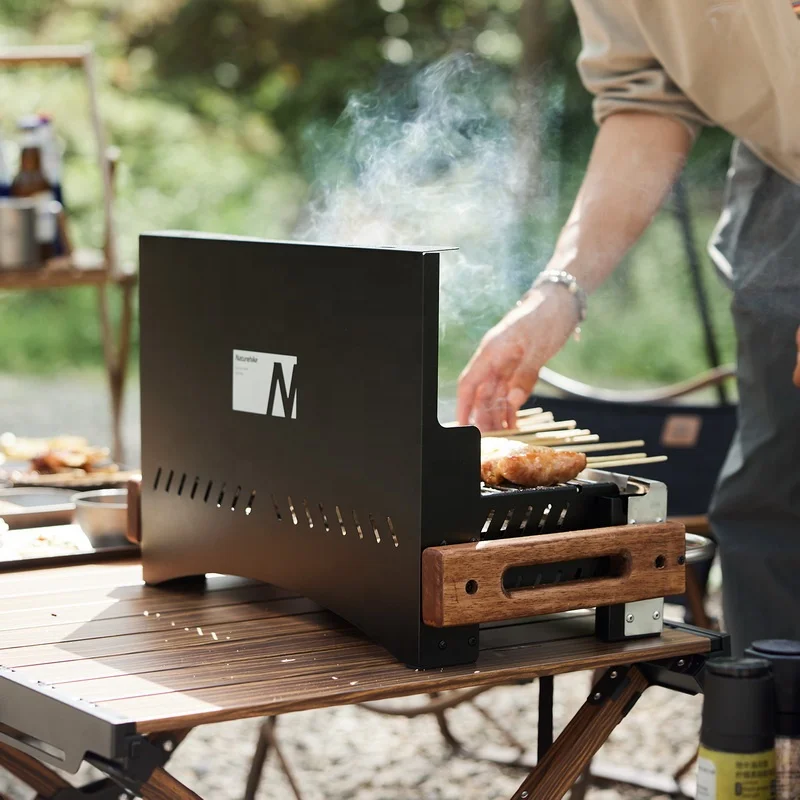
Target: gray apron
(755, 514)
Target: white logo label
(263, 383)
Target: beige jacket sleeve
(617, 66)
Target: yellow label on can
(728, 776)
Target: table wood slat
(88, 604)
(161, 644)
(240, 649)
(157, 624)
(389, 679)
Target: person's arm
(635, 159)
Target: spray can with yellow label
(737, 739)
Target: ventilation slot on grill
(277, 510)
(341, 521)
(375, 529)
(221, 496)
(324, 517)
(169, 480)
(208, 491)
(194, 488)
(526, 519)
(236, 498)
(158, 478)
(391, 530)
(358, 525)
(507, 520)
(562, 516)
(545, 515)
(181, 484)
(308, 514)
(291, 510)
(488, 522)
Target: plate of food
(68, 462)
(34, 507)
(54, 545)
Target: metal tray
(28, 548)
(35, 507)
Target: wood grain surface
(463, 584)
(175, 657)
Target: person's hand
(796, 376)
(504, 369)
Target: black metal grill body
(338, 502)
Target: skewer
(529, 412)
(634, 462)
(602, 446)
(619, 457)
(526, 422)
(538, 428)
(584, 438)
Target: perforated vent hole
(375, 529)
(221, 496)
(291, 511)
(562, 516)
(358, 525)
(545, 515)
(277, 510)
(308, 514)
(208, 491)
(324, 517)
(158, 478)
(194, 488)
(507, 520)
(391, 530)
(236, 498)
(169, 480)
(341, 521)
(526, 518)
(181, 484)
(488, 522)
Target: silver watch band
(570, 282)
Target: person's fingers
(521, 384)
(468, 382)
(485, 406)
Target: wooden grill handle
(462, 584)
(133, 531)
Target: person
(659, 71)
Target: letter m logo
(264, 383)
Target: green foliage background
(213, 103)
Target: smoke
(434, 160)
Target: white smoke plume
(436, 160)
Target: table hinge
(131, 772)
(609, 686)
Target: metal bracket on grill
(647, 502)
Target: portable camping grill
(290, 434)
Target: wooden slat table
(98, 666)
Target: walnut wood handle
(463, 584)
(133, 531)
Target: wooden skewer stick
(538, 428)
(599, 447)
(527, 422)
(635, 462)
(529, 412)
(618, 457)
(565, 444)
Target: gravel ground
(349, 753)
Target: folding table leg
(31, 772)
(611, 699)
(162, 786)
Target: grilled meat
(505, 460)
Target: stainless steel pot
(18, 245)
